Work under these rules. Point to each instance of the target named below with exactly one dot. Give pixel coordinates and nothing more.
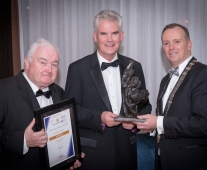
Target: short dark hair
(173, 25)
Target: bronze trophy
(133, 95)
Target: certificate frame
(59, 120)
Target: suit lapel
(55, 97)
(122, 66)
(123, 63)
(26, 92)
(178, 84)
(165, 83)
(98, 80)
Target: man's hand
(77, 163)
(149, 125)
(35, 139)
(108, 119)
(128, 125)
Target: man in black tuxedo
(19, 142)
(181, 120)
(97, 89)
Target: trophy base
(127, 119)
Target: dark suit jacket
(184, 143)
(17, 105)
(115, 147)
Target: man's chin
(46, 83)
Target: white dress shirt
(42, 100)
(173, 81)
(112, 81)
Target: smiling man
(95, 82)
(176, 45)
(181, 120)
(19, 97)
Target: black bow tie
(47, 94)
(106, 65)
(175, 71)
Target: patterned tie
(106, 65)
(173, 71)
(47, 94)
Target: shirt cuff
(25, 148)
(152, 133)
(160, 128)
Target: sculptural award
(133, 95)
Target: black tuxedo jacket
(115, 147)
(184, 142)
(17, 105)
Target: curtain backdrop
(69, 25)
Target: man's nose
(49, 68)
(109, 37)
(171, 45)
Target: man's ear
(189, 44)
(95, 36)
(122, 36)
(26, 63)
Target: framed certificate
(60, 122)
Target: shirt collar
(32, 85)
(183, 65)
(101, 59)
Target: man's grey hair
(40, 42)
(107, 15)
